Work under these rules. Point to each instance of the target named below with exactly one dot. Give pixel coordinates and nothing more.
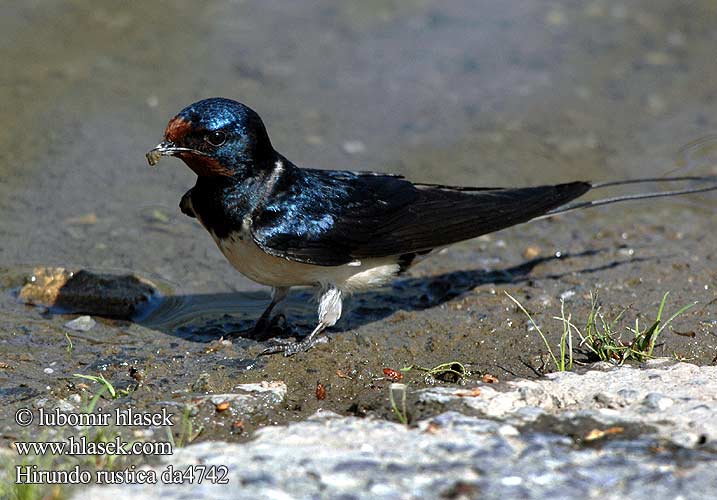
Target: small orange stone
(320, 391)
(392, 374)
(531, 252)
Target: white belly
(243, 253)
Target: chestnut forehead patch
(177, 128)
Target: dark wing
(331, 218)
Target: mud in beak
(165, 148)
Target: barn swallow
(338, 231)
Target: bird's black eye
(216, 138)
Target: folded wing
(332, 218)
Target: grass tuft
(187, 433)
(70, 346)
(453, 371)
(600, 338)
(564, 360)
(106, 384)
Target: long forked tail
(712, 186)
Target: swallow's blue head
(216, 137)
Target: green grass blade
(535, 325)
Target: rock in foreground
(118, 296)
(677, 401)
(455, 456)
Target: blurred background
(490, 92)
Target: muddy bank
(187, 346)
(498, 93)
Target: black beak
(165, 148)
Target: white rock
(81, 324)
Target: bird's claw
(289, 348)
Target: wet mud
(501, 94)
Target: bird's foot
(289, 348)
(265, 328)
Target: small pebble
(320, 391)
(48, 371)
(65, 406)
(81, 324)
(531, 252)
(512, 481)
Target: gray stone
(673, 399)
(515, 445)
(81, 324)
(250, 398)
(65, 406)
(449, 456)
(274, 391)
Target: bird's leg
(329, 314)
(263, 325)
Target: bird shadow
(208, 317)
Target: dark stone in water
(117, 296)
